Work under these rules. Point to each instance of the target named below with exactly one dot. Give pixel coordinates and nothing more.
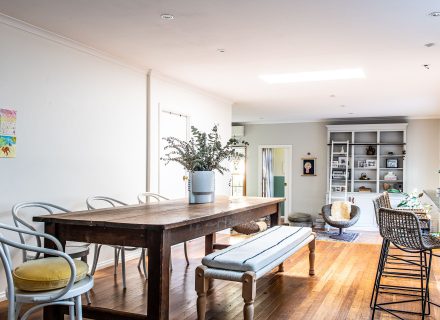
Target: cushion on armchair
(341, 211)
(47, 274)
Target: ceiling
(385, 38)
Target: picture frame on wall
(308, 166)
(392, 163)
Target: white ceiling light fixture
(167, 16)
(221, 50)
(324, 75)
(435, 14)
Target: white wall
(423, 150)
(204, 111)
(81, 127)
(308, 193)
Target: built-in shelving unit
(368, 170)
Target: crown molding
(67, 42)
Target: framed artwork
(309, 166)
(370, 164)
(8, 139)
(392, 163)
(342, 161)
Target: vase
(201, 186)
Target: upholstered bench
(251, 259)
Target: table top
(160, 215)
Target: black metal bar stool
(402, 229)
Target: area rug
(334, 236)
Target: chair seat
(78, 288)
(257, 252)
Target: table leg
(159, 250)
(52, 312)
(209, 243)
(275, 217)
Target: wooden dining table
(156, 226)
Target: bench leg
(249, 292)
(202, 285)
(312, 246)
(281, 267)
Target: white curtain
(267, 188)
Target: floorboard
(341, 288)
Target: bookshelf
(376, 162)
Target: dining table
(155, 226)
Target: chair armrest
(56, 253)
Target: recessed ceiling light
(332, 96)
(342, 105)
(350, 113)
(435, 14)
(313, 76)
(430, 44)
(167, 16)
(221, 50)
(426, 66)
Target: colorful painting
(8, 137)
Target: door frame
(159, 145)
(288, 171)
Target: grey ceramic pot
(201, 186)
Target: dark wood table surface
(156, 226)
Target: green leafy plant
(203, 151)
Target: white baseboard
(101, 265)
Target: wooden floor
(341, 288)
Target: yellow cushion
(47, 274)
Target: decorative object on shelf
(392, 163)
(387, 186)
(390, 176)
(371, 151)
(342, 161)
(393, 191)
(362, 164)
(342, 150)
(339, 174)
(335, 164)
(201, 155)
(390, 153)
(371, 164)
(308, 165)
(8, 138)
(339, 188)
(364, 189)
(363, 176)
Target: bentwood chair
(20, 215)
(68, 294)
(118, 250)
(144, 198)
(403, 230)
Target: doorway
(173, 179)
(274, 174)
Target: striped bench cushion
(259, 251)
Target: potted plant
(201, 156)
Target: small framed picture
(342, 161)
(308, 166)
(392, 163)
(370, 164)
(361, 163)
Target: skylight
(324, 75)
